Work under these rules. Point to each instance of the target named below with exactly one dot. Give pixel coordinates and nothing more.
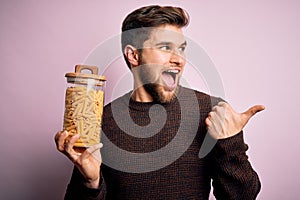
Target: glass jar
(84, 101)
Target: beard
(154, 85)
(159, 94)
(151, 79)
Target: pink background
(255, 46)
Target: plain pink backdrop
(254, 45)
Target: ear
(132, 55)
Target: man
(153, 46)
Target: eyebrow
(170, 43)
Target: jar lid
(79, 69)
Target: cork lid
(79, 73)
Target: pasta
(83, 114)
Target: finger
(217, 117)
(213, 121)
(95, 147)
(93, 151)
(219, 105)
(221, 108)
(209, 125)
(222, 103)
(208, 122)
(210, 116)
(252, 111)
(214, 108)
(211, 128)
(60, 140)
(70, 144)
(69, 148)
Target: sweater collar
(145, 106)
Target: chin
(168, 96)
(159, 94)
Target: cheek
(150, 73)
(165, 58)
(159, 57)
(183, 59)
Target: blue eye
(164, 48)
(181, 49)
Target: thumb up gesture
(223, 122)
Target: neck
(139, 92)
(141, 95)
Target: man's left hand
(223, 122)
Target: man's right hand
(88, 162)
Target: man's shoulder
(202, 97)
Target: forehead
(166, 33)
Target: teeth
(173, 71)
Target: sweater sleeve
(232, 174)
(77, 190)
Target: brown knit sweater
(185, 177)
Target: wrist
(94, 184)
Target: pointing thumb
(252, 111)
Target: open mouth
(170, 79)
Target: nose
(177, 58)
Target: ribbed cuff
(234, 144)
(93, 192)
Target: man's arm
(232, 174)
(86, 181)
(77, 188)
